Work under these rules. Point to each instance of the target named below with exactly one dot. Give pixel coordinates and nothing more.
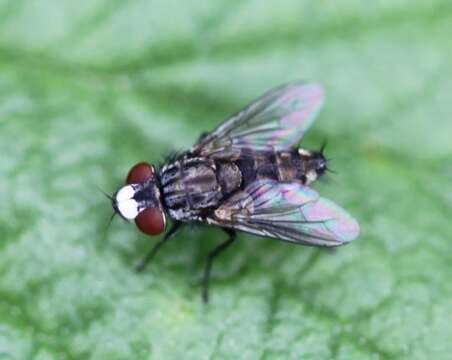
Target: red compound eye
(151, 221)
(140, 173)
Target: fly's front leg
(145, 261)
(212, 255)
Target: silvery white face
(125, 203)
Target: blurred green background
(88, 88)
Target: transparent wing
(287, 211)
(276, 121)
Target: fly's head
(140, 200)
(316, 163)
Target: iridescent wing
(274, 122)
(287, 211)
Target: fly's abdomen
(283, 166)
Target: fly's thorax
(229, 176)
(189, 186)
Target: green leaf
(88, 88)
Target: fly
(246, 175)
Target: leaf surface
(89, 88)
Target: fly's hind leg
(212, 255)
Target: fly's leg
(145, 261)
(212, 255)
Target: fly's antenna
(110, 197)
(107, 195)
(331, 171)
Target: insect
(246, 175)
